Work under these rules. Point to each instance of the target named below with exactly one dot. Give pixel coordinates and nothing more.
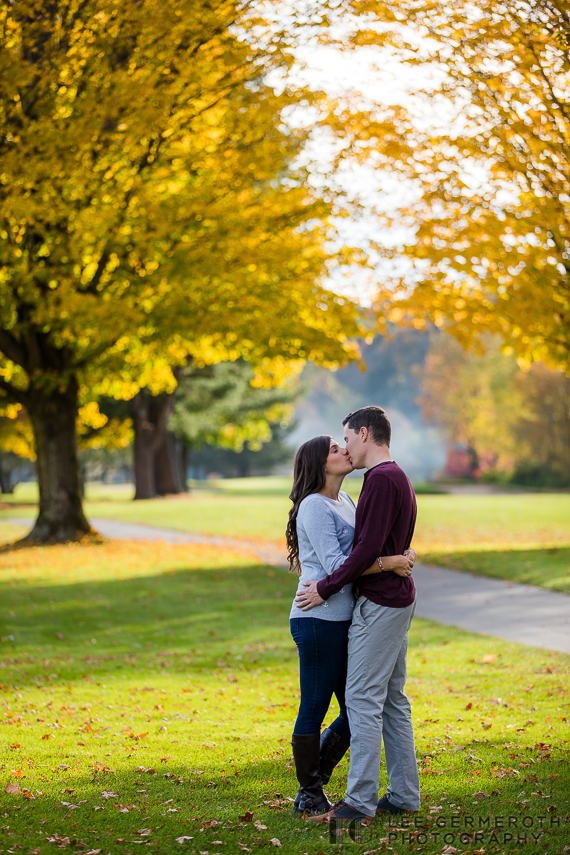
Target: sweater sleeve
(319, 523)
(377, 508)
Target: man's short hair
(374, 419)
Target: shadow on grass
(231, 618)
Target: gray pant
(378, 708)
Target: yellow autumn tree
(484, 142)
(153, 210)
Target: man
(378, 637)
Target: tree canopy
(485, 146)
(152, 209)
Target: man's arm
(378, 507)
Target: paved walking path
(487, 606)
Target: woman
(319, 539)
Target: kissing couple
(350, 619)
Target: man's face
(354, 442)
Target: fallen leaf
(276, 842)
(488, 658)
(449, 850)
(12, 789)
(94, 852)
(47, 736)
(243, 847)
(183, 839)
(480, 795)
(247, 817)
(109, 794)
(259, 826)
(14, 746)
(144, 832)
(469, 706)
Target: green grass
(166, 677)
(547, 568)
(520, 537)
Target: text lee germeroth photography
(284, 427)
(447, 830)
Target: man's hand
(308, 599)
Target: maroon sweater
(385, 520)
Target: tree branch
(15, 394)
(12, 348)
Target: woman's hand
(400, 564)
(411, 555)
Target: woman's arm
(319, 524)
(400, 564)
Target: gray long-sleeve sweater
(325, 531)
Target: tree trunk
(150, 414)
(6, 483)
(167, 468)
(473, 460)
(53, 416)
(184, 461)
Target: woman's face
(338, 461)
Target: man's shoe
(386, 806)
(343, 812)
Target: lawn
(519, 537)
(149, 693)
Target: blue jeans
(323, 646)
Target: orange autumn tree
(514, 425)
(153, 211)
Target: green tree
(219, 406)
(152, 210)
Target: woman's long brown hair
(308, 477)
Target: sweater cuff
(321, 589)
